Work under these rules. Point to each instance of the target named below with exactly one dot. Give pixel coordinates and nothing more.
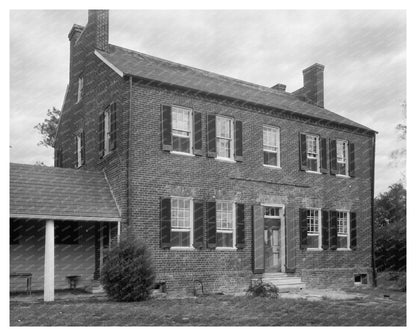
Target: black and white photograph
(207, 167)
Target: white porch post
(49, 277)
(118, 231)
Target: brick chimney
(98, 23)
(279, 87)
(313, 84)
(73, 36)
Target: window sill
(314, 249)
(225, 159)
(182, 153)
(313, 172)
(342, 176)
(226, 248)
(273, 167)
(343, 249)
(182, 248)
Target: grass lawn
(214, 311)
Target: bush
(127, 273)
(263, 289)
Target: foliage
(49, 127)
(399, 155)
(127, 273)
(390, 229)
(263, 289)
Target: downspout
(373, 257)
(128, 152)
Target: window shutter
(353, 231)
(165, 226)
(333, 157)
(351, 159)
(166, 128)
(113, 126)
(198, 225)
(197, 133)
(211, 136)
(82, 148)
(325, 229)
(324, 156)
(302, 152)
(258, 239)
(238, 140)
(303, 229)
(291, 239)
(240, 226)
(333, 230)
(211, 224)
(101, 135)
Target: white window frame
(191, 224)
(348, 230)
(345, 161)
(277, 151)
(234, 232)
(107, 130)
(79, 149)
(318, 154)
(191, 130)
(80, 91)
(217, 137)
(319, 234)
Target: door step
(95, 287)
(284, 282)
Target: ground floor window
(343, 229)
(181, 222)
(313, 219)
(225, 224)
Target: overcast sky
(364, 53)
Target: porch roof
(60, 193)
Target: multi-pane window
(343, 229)
(181, 222)
(107, 130)
(342, 157)
(312, 152)
(271, 143)
(80, 89)
(225, 138)
(271, 211)
(225, 224)
(79, 150)
(313, 221)
(181, 129)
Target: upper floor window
(225, 224)
(313, 222)
(181, 129)
(80, 144)
(271, 144)
(80, 88)
(312, 152)
(181, 222)
(342, 157)
(107, 130)
(343, 229)
(225, 139)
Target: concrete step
(284, 281)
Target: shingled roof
(140, 65)
(60, 193)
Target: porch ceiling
(60, 193)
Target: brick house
(226, 181)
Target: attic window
(80, 88)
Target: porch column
(118, 231)
(49, 276)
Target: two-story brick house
(224, 180)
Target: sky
(364, 53)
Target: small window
(312, 152)
(181, 129)
(313, 220)
(271, 144)
(343, 229)
(271, 212)
(225, 224)
(66, 233)
(360, 279)
(181, 222)
(225, 137)
(80, 89)
(342, 157)
(80, 148)
(107, 131)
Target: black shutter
(113, 126)
(291, 239)
(333, 230)
(198, 224)
(302, 152)
(324, 155)
(238, 140)
(165, 226)
(211, 136)
(258, 239)
(353, 231)
(82, 148)
(333, 157)
(101, 135)
(166, 128)
(240, 226)
(303, 229)
(211, 224)
(325, 229)
(351, 159)
(197, 133)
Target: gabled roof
(129, 62)
(60, 193)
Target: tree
(399, 155)
(49, 127)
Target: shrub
(127, 272)
(263, 289)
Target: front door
(272, 239)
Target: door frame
(282, 232)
